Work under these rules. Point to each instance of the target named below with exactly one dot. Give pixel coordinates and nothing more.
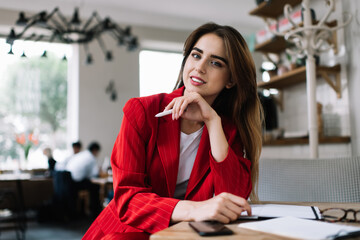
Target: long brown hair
(239, 103)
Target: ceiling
(182, 15)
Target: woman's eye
(195, 55)
(217, 64)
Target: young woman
(200, 162)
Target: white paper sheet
(283, 210)
(299, 228)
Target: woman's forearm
(182, 211)
(218, 142)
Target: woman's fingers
(178, 105)
(199, 109)
(229, 214)
(183, 107)
(177, 108)
(241, 202)
(237, 203)
(236, 209)
(222, 218)
(211, 209)
(230, 205)
(224, 208)
(170, 105)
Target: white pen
(164, 113)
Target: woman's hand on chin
(191, 106)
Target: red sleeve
(136, 204)
(233, 174)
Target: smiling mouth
(197, 80)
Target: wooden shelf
(273, 8)
(278, 44)
(295, 76)
(274, 45)
(299, 141)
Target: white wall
(353, 56)
(99, 117)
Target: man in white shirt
(76, 146)
(83, 166)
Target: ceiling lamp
(59, 29)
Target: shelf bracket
(336, 85)
(333, 42)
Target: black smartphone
(210, 228)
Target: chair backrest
(310, 180)
(9, 200)
(64, 193)
(63, 184)
(16, 218)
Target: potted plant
(292, 61)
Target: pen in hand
(164, 113)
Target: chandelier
(54, 27)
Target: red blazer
(145, 163)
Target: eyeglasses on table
(340, 215)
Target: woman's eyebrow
(213, 56)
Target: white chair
(310, 180)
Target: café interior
(67, 68)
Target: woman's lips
(197, 81)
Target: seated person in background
(76, 146)
(51, 161)
(83, 166)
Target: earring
(230, 84)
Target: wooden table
(28, 192)
(182, 231)
(32, 191)
(106, 185)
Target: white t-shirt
(189, 145)
(82, 165)
(61, 165)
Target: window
(158, 71)
(33, 102)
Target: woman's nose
(201, 66)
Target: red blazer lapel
(168, 143)
(201, 164)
